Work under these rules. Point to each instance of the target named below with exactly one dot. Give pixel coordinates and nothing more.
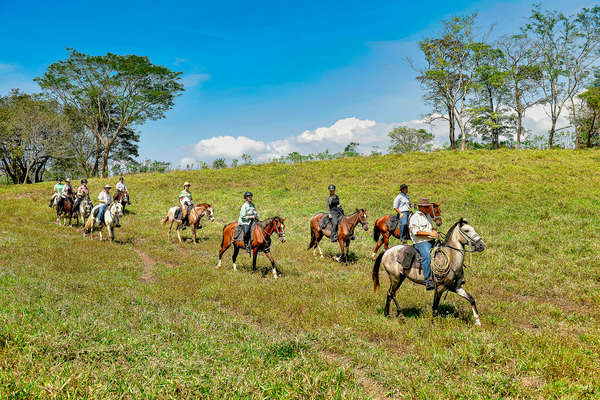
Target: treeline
(85, 118)
(483, 88)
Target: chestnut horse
(64, 209)
(195, 217)
(122, 197)
(381, 227)
(261, 241)
(345, 232)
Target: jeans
(404, 225)
(101, 213)
(423, 248)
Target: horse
(451, 255)
(261, 241)
(64, 209)
(84, 209)
(195, 217)
(381, 228)
(345, 232)
(122, 197)
(111, 217)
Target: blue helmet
(331, 187)
(247, 194)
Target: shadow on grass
(124, 241)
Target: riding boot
(118, 224)
(184, 220)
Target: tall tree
(32, 131)
(490, 94)
(447, 75)
(523, 74)
(405, 140)
(111, 93)
(589, 115)
(568, 46)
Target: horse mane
(451, 230)
(263, 224)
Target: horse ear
(463, 221)
(282, 219)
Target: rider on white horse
(423, 235)
(185, 199)
(58, 187)
(105, 199)
(82, 191)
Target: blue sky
(259, 75)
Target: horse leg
(169, 233)
(194, 233)
(341, 243)
(463, 293)
(437, 296)
(319, 237)
(386, 241)
(270, 257)
(254, 254)
(236, 250)
(178, 234)
(224, 246)
(378, 245)
(110, 233)
(392, 296)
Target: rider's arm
(398, 211)
(432, 234)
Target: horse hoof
(234, 267)
(373, 255)
(322, 256)
(477, 323)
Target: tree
(568, 46)
(219, 163)
(523, 75)
(447, 75)
(111, 93)
(234, 163)
(32, 131)
(405, 140)
(351, 149)
(488, 108)
(590, 116)
(247, 158)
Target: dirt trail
(149, 263)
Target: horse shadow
(124, 241)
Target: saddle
(325, 222)
(393, 222)
(238, 234)
(410, 258)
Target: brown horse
(381, 227)
(261, 241)
(345, 232)
(122, 197)
(452, 254)
(196, 214)
(64, 209)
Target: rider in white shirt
(402, 208)
(423, 236)
(105, 200)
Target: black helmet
(121, 178)
(84, 180)
(247, 194)
(59, 178)
(403, 186)
(331, 187)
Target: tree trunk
(462, 127)
(575, 123)
(96, 158)
(519, 128)
(105, 161)
(591, 131)
(451, 129)
(27, 173)
(9, 171)
(551, 133)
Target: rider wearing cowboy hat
(402, 208)
(248, 216)
(105, 200)
(185, 199)
(423, 235)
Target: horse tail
(88, 224)
(376, 232)
(376, 271)
(313, 238)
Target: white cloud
(228, 147)
(193, 80)
(342, 131)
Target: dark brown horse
(122, 197)
(65, 209)
(345, 232)
(261, 241)
(381, 228)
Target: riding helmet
(186, 184)
(121, 178)
(331, 187)
(247, 194)
(68, 180)
(403, 186)
(84, 180)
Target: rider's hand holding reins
(432, 234)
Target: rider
(82, 191)
(402, 208)
(57, 189)
(105, 200)
(334, 212)
(423, 235)
(185, 199)
(122, 187)
(66, 191)
(248, 216)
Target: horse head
(208, 211)
(435, 213)
(469, 237)
(362, 218)
(279, 227)
(117, 209)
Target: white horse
(84, 210)
(111, 218)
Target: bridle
(280, 232)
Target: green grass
(77, 320)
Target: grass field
(145, 318)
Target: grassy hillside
(142, 317)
